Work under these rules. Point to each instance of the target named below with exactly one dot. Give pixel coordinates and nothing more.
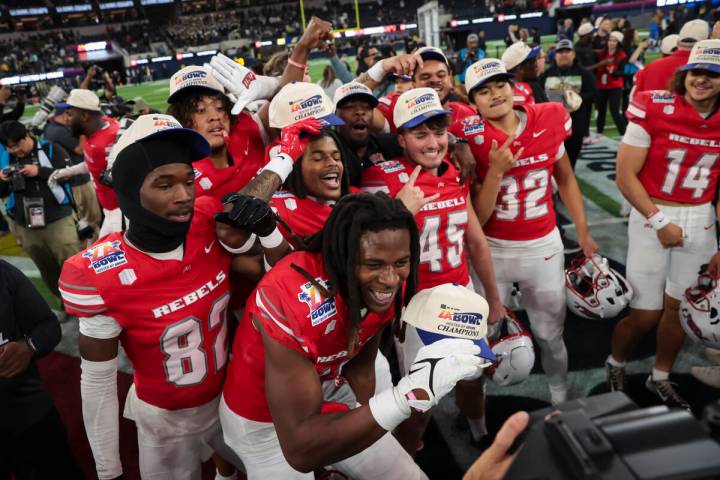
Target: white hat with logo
(354, 91)
(416, 106)
(517, 53)
(194, 77)
(450, 311)
(160, 126)
(693, 31)
(705, 55)
(483, 71)
(83, 99)
(300, 100)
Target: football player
(161, 290)
(446, 220)
(667, 168)
(304, 356)
(518, 150)
(522, 61)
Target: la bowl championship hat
(517, 53)
(354, 91)
(193, 77)
(483, 71)
(450, 311)
(705, 55)
(300, 100)
(416, 106)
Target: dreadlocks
(339, 240)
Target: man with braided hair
(299, 391)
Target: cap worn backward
(193, 77)
(693, 31)
(669, 43)
(354, 91)
(83, 99)
(484, 71)
(450, 311)
(705, 55)
(298, 101)
(416, 106)
(517, 53)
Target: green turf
(51, 299)
(599, 198)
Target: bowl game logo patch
(105, 256)
(321, 308)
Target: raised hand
(502, 159)
(413, 197)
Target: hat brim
(701, 66)
(534, 52)
(331, 120)
(98, 109)
(497, 76)
(414, 122)
(431, 337)
(199, 148)
(358, 96)
(60, 107)
(434, 56)
(172, 98)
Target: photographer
(98, 79)
(44, 224)
(470, 54)
(5, 94)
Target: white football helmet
(513, 347)
(700, 311)
(594, 290)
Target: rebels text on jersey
(96, 150)
(682, 161)
(246, 148)
(386, 105)
(172, 312)
(442, 223)
(524, 208)
(293, 312)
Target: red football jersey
(524, 208)
(386, 105)
(523, 94)
(173, 313)
(609, 76)
(294, 313)
(97, 148)
(682, 161)
(441, 223)
(246, 148)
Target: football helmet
(513, 347)
(700, 311)
(594, 290)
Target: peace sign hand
(413, 197)
(502, 159)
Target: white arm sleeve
(100, 326)
(636, 136)
(78, 169)
(100, 407)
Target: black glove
(248, 213)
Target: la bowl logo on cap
(450, 313)
(195, 75)
(308, 103)
(413, 102)
(163, 124)
(105, 256)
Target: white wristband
(281, 164)
(389, 408)
(658, 220)
(377, 71)
(273, 240)
(244, 248)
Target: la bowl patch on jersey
(391, 166)
(472, 125)
(321, 308)
(105, 256)
(663, 97)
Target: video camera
(608, 437)
(17, 179)
(47, 105)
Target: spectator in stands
(635, 51)
(468, 55)
(609, 74)
(90, 83)
(34, 441)
(275, 66)
(5, 94)
(329, 82)
(511, 36)
(658, 73)
(44, 225)
(87, 208)
(583, 48)
(367, 56)
(655, 26)
(567, 30)
(535, 37)
(563, 75)
(341, 70)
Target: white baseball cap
(517, 53)
(84, 99)
(193, 77)
(585, 29)
(433, 53)
(705, 55)
(300, 100)
(157, 126)
(416, 106)
(617, 36)
(669, 43)
(450, 311)
(354, 91)
(483, 71)
(693, 31)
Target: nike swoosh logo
(709, 227)
(551, 256)
(207, 249)
(537, 134)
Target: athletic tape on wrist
(273, 240)
(389, 408)
(658, 220)
(245, 247)
(377, 71)
(281, 164)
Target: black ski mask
(148, 231)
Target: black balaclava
(148, 231)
